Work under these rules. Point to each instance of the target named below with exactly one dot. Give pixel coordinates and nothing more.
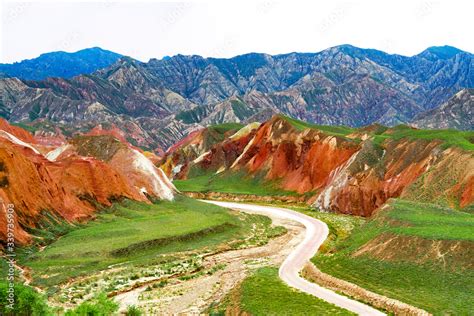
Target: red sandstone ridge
(16, 131)
(351, 174)
(70, 181)
(113, 131)
(179, 156)
(302, 161)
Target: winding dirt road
(316, 232)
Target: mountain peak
(441, 52)
(125, 60)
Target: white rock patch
(161, 184)
(54, 154)
(17, 141)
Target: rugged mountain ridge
(50, 185)
(456, 113)
(163, 100)
(344, 170)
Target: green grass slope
(134, 233)
(331, 130)
(263, 293)
(418, 253)
(448, 137)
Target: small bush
(99, 306)
(132, 310)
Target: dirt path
(291, 252)
(25, 275)
(193, 296)
(316, 233)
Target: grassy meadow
(231, 182)
(448, 137)
(136, 233)
(328, 129)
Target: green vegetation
(331, 130)
(225, 127)
(241, 110)
(442, 285)
(431, 221)
(48, 228)
(196, 114)
(136, 233)
(263, 293)
(230, 182)
(34, 112)
(25, 126)
(132, 310)
(27, 301)
(99, 306)
(193, 115)
(449, 137)
(46, 125)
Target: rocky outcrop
(195, 146)
(301, 161)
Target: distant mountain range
(154, 104)
(60, 64)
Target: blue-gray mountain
(457, 113)
(60, 64)
(158, 102)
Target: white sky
(227, 28)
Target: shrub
(99, 306)
(27, 301)
(132, 310)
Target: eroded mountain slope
(345, 170)
(70, 182)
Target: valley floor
(197, 292)
(217, 260)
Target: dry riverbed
(220, 273)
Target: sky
(153, 29)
